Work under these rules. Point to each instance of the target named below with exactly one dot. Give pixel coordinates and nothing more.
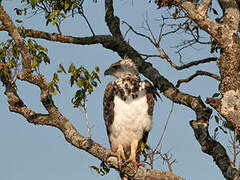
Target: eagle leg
(119, 154)
(132, 157)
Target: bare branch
(88, 23)
(166, 158)
(58, 28)
(164, 130)
(86, 117)
(198, 73)
(140, 34)
(195, 63)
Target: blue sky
(35, 152)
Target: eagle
(128, 108)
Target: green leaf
(54, 92)
(46, 59)
(76, 103)
(34, 62)
(55, 78)
(229, 125)
(54, 21)
(66, 6)
(61, 68)
(80, 83)
(97, 69)
(57, 88)
(71, 68)
(30, 44)
(223, 129)
(216, 119)
(215, 94)
(94, 168)
(40, 48)
(19, 21)
(18, 11)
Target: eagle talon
(119, 156)
(133, 162)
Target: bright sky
(35, 152)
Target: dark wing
(151, 94)
(108, 105)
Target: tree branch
(200, 17)
(112, 21)
(13, 32)
(214, 149)
(2, 27)
(198, 73)
(204, 5)
(231, 15)
(68, 39)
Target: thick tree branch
(112, 21)
(69, 39)
(198, 73)
(2, 27)
(13, 32)
(26, 74)
(198, 14)
(214, 149)
(204, 5)
(231, 15)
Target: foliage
(55, 11)
(214, 45)
(80, 77)
(102, 170)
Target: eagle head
(123, 68)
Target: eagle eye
(116, 67)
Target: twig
(168, 160)
(140, 34)
(234, 148)
(149, 29)
(164, 129)
(86, 116)
(58, 27)
(198, 73)
(88, 23)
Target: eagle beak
(107, 72)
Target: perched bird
(128, 108)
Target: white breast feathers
(131, 119)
